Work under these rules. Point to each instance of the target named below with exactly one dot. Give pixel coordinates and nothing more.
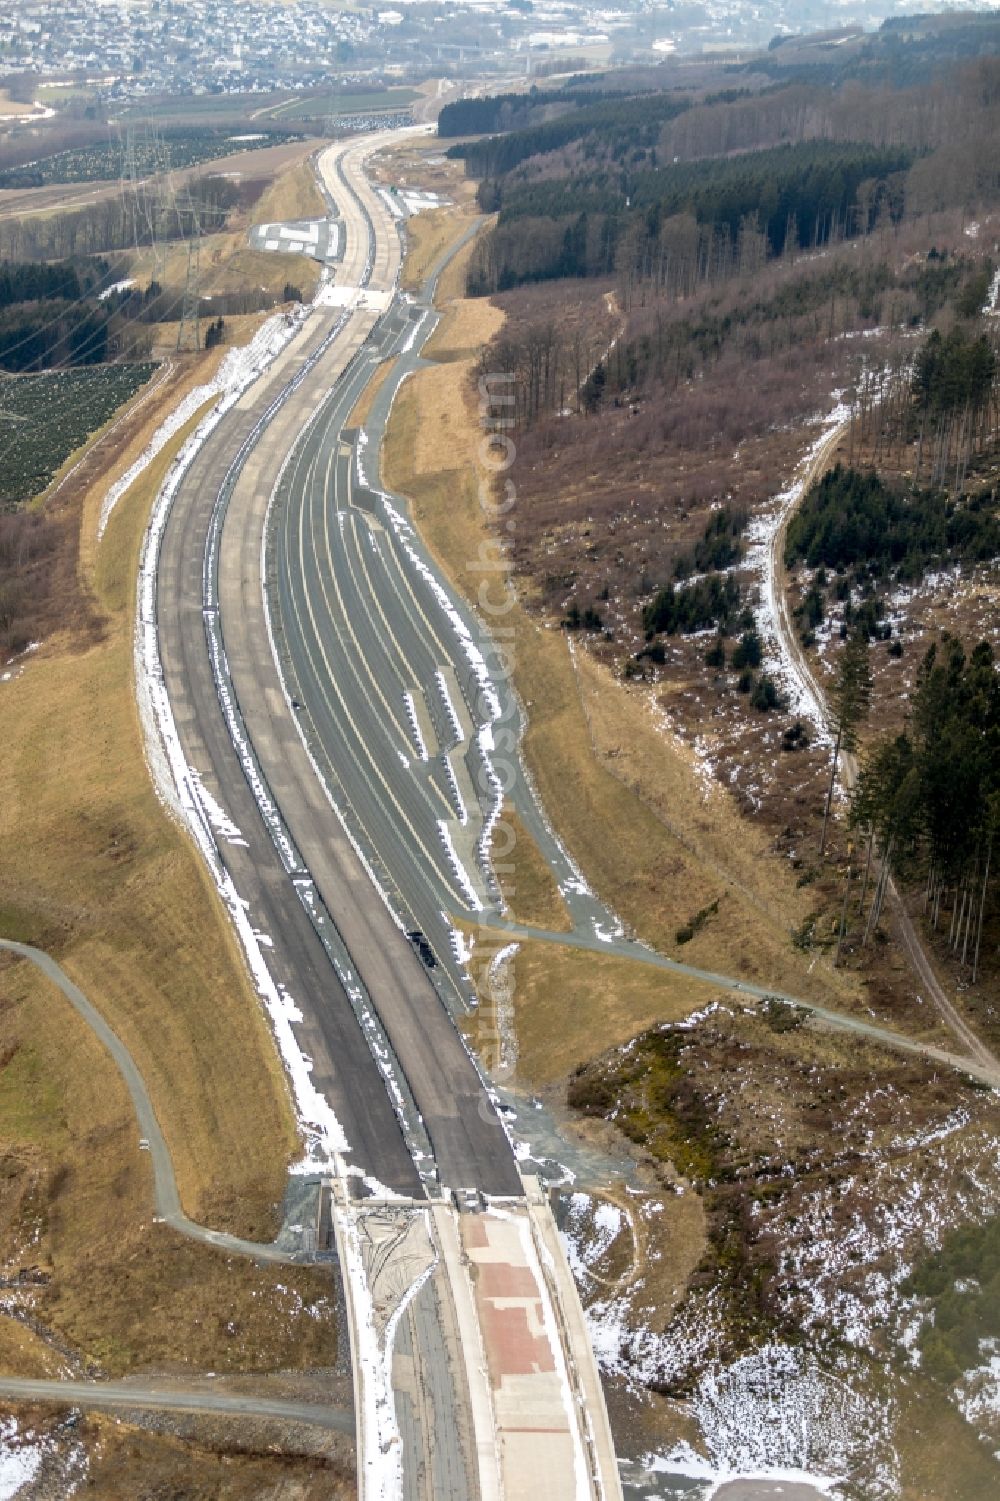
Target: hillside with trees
(589, 192)
(679, 311)
(752, 357)
(929, 799)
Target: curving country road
(166, 1197)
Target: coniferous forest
(930, 798)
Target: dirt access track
(781, 613)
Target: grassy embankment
(428, 237)
(628, 802)
(363, 405)
(228, 265)
(92, 869)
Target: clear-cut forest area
(754, 327)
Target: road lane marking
(432, 861)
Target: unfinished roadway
(469, 1145)
(453, 1272)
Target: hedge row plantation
(106, 161)
(45, 418)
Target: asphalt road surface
(404, 697)
(119, 1396)
(167, 1199)
(452, 1105)
(329, 1033)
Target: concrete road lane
(468, 1141)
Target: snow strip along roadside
(180, 789)
(404, 1105)
(236, 373)
(183, 791)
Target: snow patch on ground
(456, 793)
(849, 1266)
(182, 790)
(500, 986)
(20, 1458)
(777, 1407)
(683, 1460)
(458, 869)
(761, 534)
(11, 671)
(451, 713)
(608, 934)
(590, 1228)
(116, 286)
(977, 1395)
(990, 308)
(462, 945)
(842, 1258)
(776, 1412)
(23, 1453)
(238, 370)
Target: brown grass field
(209, 1463)
(528, 885)
(569, 1003)
(93, 870)
(428, 236)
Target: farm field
(105, 160)
(341, 102)
(221, 108)
(44, 418)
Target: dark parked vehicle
(423, 948)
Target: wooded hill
(598, 189)
(52, 315)
(138, 215)
(905, 50)
(497, 114)
(797, 197)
